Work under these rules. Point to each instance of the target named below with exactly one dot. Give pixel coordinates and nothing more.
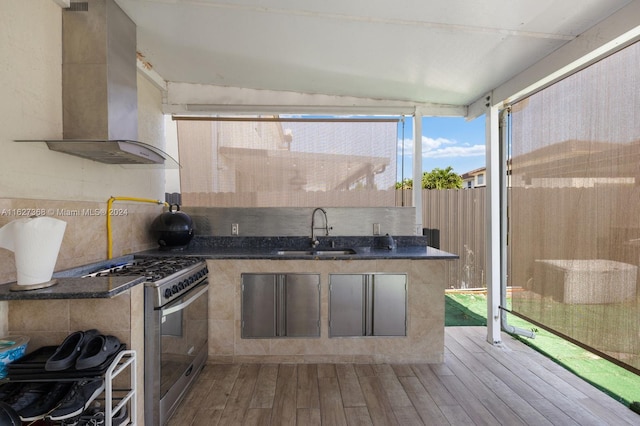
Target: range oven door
(183, 335)
(176, 337)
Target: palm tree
(406, 183)
(441, 179)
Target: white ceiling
(449, 52)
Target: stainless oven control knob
(167, 293)
(174, 289)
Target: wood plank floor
(478, 384)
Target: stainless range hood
(99, 88)
(110, 152)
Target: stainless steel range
(176, 328)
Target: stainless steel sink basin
(324, 252)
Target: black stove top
(152, 268)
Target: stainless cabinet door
(302, 305)
(389, 304)
(346, 305)
(259, 304)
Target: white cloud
(455, 151)
(408, 147)
(442, 148)
(430, 144)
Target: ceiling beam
(150, 74)
(615, 32)
(63, 3)
(187, 98)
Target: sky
(446, 141)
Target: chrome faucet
(326, 227)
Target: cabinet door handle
(281, 312)
(368, 305)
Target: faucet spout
(326, 227)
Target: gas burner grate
(152, 268)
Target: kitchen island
(229, 258)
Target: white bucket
(35, 243)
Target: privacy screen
(288, 163)
(574, 207)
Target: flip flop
(96, 351)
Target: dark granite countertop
(71, 285)
(75, 288)
(283, 248)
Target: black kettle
(174, 229)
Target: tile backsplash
(296, 221)
(85, 237)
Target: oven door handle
(183, 305)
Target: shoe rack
(114, 399)
(125, 359)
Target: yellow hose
(109, 204)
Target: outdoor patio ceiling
(213, 55)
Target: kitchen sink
(322, 252)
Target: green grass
(471, 309)
(458, 313)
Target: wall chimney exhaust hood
(112, 151)
(99, 87)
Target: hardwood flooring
(478, 384)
